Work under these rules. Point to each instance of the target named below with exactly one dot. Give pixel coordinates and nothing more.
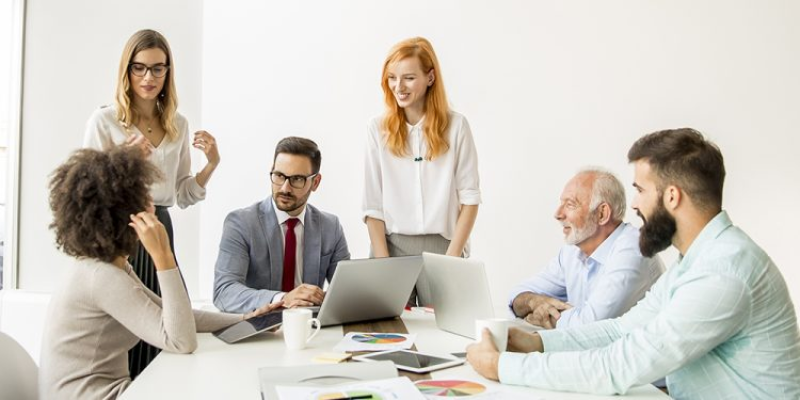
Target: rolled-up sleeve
(187, 190)
(372, 205)
(467, 178)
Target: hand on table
(547, 312)
(304, 295)
(265, 309)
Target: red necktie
(289, 253)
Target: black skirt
(143, 353)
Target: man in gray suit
(280, 249)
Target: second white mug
(499, 329)
(297, 325)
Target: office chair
(18, 372)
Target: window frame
(10, 259)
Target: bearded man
(719, 324)
(600, 272)
(281, 248)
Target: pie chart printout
(450, 388)
(379, 338)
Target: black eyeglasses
(295, 181)
(139, 69)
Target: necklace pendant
(149, 130)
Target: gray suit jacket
(249, 266)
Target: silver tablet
(413, 361)
(249, 327)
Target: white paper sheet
(388, 389)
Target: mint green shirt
(718, 324)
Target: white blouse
(414, 196)
(171, 157)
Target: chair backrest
(18, 372)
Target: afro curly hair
(92, 196)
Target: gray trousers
(414, 245)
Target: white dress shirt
(283, 216)
(602, 285)
(103, 131)
(421, 197)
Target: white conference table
(218, 370)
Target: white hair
(606, 188)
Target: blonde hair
(167, 102)
(436, 108)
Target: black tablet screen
(411, 359)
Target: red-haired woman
(421, 186)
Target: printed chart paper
(359, 341)
(441, 389)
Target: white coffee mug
(499, 329)
(297, 324)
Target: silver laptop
(369, 289)
(460, 292)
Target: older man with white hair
(600, 272)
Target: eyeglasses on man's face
(139, 69)
(295, 181)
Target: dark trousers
(143, 353)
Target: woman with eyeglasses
(145, 115)
(101, 209)
(421, 190)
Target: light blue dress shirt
(719, 324)
(599, 286)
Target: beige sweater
(98, 314)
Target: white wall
(72, 52)
(547, 87)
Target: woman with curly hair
(145, 115)
(421, 186)
(101, 205)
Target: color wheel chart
(378, 338)
(350, 393)
(450, 388)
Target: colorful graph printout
(379, 338)
(450, 388)
(375, 341)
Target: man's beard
(297, 202)
(657, 232)
(576, 235)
